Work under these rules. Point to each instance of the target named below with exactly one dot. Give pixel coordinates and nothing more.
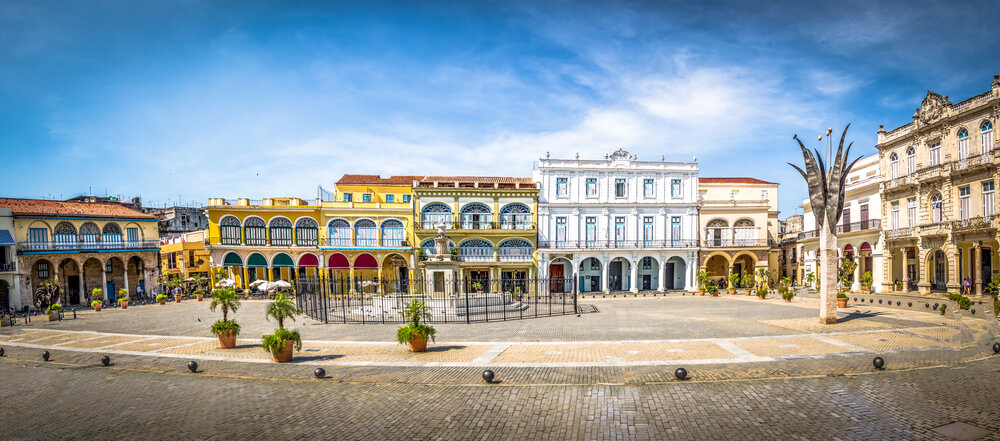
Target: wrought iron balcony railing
(618, 244)
(870, 224)
(975, 223)
(899, 233)
(6, 267)
(733, 243)
(478, 225)
(86, 246)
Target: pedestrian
(968, 285)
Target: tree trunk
(828, 276)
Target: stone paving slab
(884, 341)
(789, 347)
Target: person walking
(968, 286)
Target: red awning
(308, 260)
(365, 261)
(339, 261)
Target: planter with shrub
(413, 333)
(841, 300)
(280, 343)
(226, 330)
(53, 311)
(161, 299)
(123, 298)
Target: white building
(618, 224)
(859, 230)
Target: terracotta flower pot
(761, 297)
(162, 302)
(124, 305)
(97, 307)
(701, 292)
(715, 294)
(788, 300)
(841, 303)
(177, 299)
(227, 340)
(418, 343)
(201, 297)
(285, 354)
(732, 292)
(748, 292)
(53, 315)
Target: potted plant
(413, 333)
(199, 293)
(785, 288)
(866, 282)
(225, 329)
(841, 300)
(52, 311)
(703, 281)
(713, 290)
(845, 273)
(161, 299)
(734, 279)
(95, 298)
(810, 279)
(748, 281)
(762, 293)
(477, 286)
(123, 298)
(280, 343)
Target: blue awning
(6, 238)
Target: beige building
(940, 174)
(739, 225)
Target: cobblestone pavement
(55, 401)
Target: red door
(557, 279)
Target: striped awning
(6, 238)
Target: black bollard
(681, 373)
(319, 373)
(1, 352)
(878, 362)
(105, 360)
(45, 355)
(488, 376)
(193, 366)
(996, 347)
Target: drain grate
(960, 430)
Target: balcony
(736, 243)
(972, 163)
(899, 233)
(973, 225)
(36, 247)
(935, 229)
(901, 182)
(619, 244)
(516, 254)
(854, 227)
(933, 172)
(477, 225)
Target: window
(109, 267)
(963, 202)
(560, 232)
(393, 233)
(65, 235)
(434, 214)
(281, 232)
(864, 217)
(43, 270)
(338, 233)
(675, 188)
(619, 231)
(229, 229)
(172, 261)
(763, 195)
(562, 187)
(988, 198)
(406, 198)
(365, 233)
(935, 151)
(987, 136)
(389, 198)
(367, 197)
(515, 217)
(191, 258)
(647, 263)
(936, 214)
(675, 231)
(963, 144)
(893, 163)
(911, 160)
(911, 211)
(591, 187)
(255, 231)
(348, 197)
(647, 188)
(306, 232)
(846, 221)
(132, 234)
(619, 188)
(591, 234)
(112, 236)
(895, 216)
(647, 230)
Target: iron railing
(975, 223)
(516, 224)
(728, 242)
(870, 224)
(449, 300)
(899, 233)
(597, 244)
(87, 246)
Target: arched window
(90, 234)
(515, 217)
(963, 144)
(428, 247)
(475, 250)
(306, 232)
(434, 214)
(476, 216)
(519, 250)
(393, 233)
(911, 161)
(281, 232)
(986, 131)
(112, 235)
(893, 166)
(338, 233)
(255, 231)
(229, 230)
(364, 233)
(65, 236)
(744, 233)
(936, 213)
(718, 233)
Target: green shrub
(963, 301)
(841, 295)
(787, 294)
(703, 280)
(712, 289)
(225, 326)
(762, 293)
(161, 297)
(413, 313)
(54, 307)
(96, 294)
(274, 343)
(734, 279)
(95, 304)
(943, 307)
(122, 300)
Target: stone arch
(648, 273)
(718, 266)
(936, 264)
(395, 273)
(560, 274)
(620, 273)
(70, 281)
(591, 275)
(675, 273)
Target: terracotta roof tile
(377, 180)
(480, 179)
(42, 207)
(734, 181)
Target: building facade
(81, 246)
(790, 261)
(618, 224)
(185, 256)
(939, 179)
(490, 221)
(175, 221)
(859, 230)
(10, 283)
(739, 226)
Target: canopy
(232, 259)
(256, 260)
(226, 283)
(308, 260)
(6, 238)
(365, 261)
(282, 259)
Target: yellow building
(82, 245)
(739, 220)
(185, 256)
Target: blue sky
(190, 100)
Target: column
(906, 270)
(856, 286)
(350, 279)
(246, 275)
(604, 276)
(125, 273)
(634, 276)
(661, 286)
(104, 278)
(379, 288)
(954, 281)
(973, 262)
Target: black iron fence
(458, 300)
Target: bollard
(319, 373)
(488, 376)
(193, 366)
(45, 355)
(681, 373)
(878, 362)
(105, 360)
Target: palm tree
(227, 299)
(282, 308)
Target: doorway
(557, 278)
(615, 276)
(986, 269)
(482, 277)
(73, 290)
(668, 275)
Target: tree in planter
(763, 277)
(703, 280)
(785, 288)
(810, 279)
(413, 333)
(734, 279)
(161, 298)
(47, 294)
(748, 281)
(123, 298)
(95, 298)
(226, 330)
(277, 344)
(845, 272)
(866, 280)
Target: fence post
(467, 301)
(575, 309)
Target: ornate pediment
(932, 107)
(620, 154)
